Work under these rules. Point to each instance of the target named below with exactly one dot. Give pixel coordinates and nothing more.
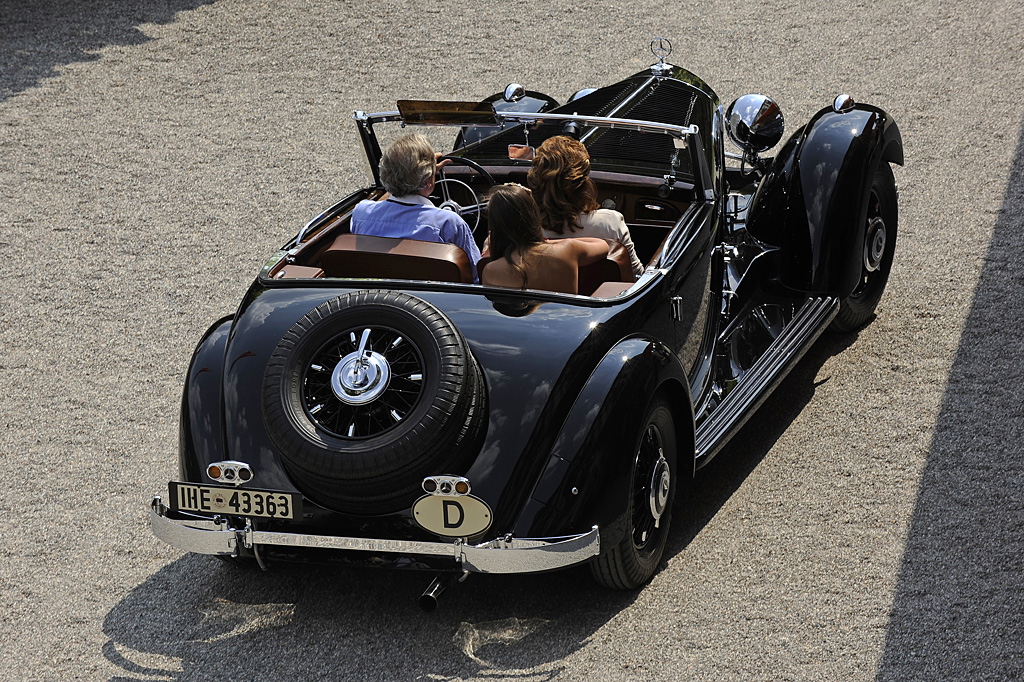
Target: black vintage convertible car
(369, 403)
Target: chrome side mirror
(514, 92)
(755, 124)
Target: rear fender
(201, 434)
(581, 485)
(811, 202)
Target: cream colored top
(603, 223)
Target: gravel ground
(867, 524)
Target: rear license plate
(269, 504)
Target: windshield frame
(686, 139)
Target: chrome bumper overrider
(502, 555)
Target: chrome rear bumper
(503, 555)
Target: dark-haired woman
(561, 185)
(522, 257)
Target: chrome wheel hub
(362, 382)
(660, 487)
(874, 244)
(360, 378)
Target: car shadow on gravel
(199, 618)
(37, 37)
(957, 610)
(717, 481)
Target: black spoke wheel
(875, 253)
(653, 482)
(369, 393)
(359, 412)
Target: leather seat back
(616, 267)
(360, 255)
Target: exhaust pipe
(428, 600)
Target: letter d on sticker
(450, 507)
(454, 517)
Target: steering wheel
(475, 206)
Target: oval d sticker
(457, 517)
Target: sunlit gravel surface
(866, 525)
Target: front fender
(811, 203)
(581, 485)
(201, 433)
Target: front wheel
(634, 561)
(877, 251)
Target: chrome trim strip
(315, 222)
(537, 117)
(601, 121)
(758, 382)
(635, 95)
(361, 544)
(305, 228)
(379, 117)
(671, 251)
(503, 555)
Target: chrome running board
(764, 375)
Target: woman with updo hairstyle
(561, 185)
(522, 257)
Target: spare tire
(369, 393)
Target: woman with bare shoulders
(523, 258)
(561, 185)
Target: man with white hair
(408, 170)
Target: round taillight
(462, 487)
(213, 471)
(429, 485)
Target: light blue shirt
(414, 217)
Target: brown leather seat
(360, 255)
(616, 267)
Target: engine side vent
(667, 103)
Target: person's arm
(358, 214)
(589, 250)
(623, 231)
(456, 231)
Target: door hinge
(677, 308)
